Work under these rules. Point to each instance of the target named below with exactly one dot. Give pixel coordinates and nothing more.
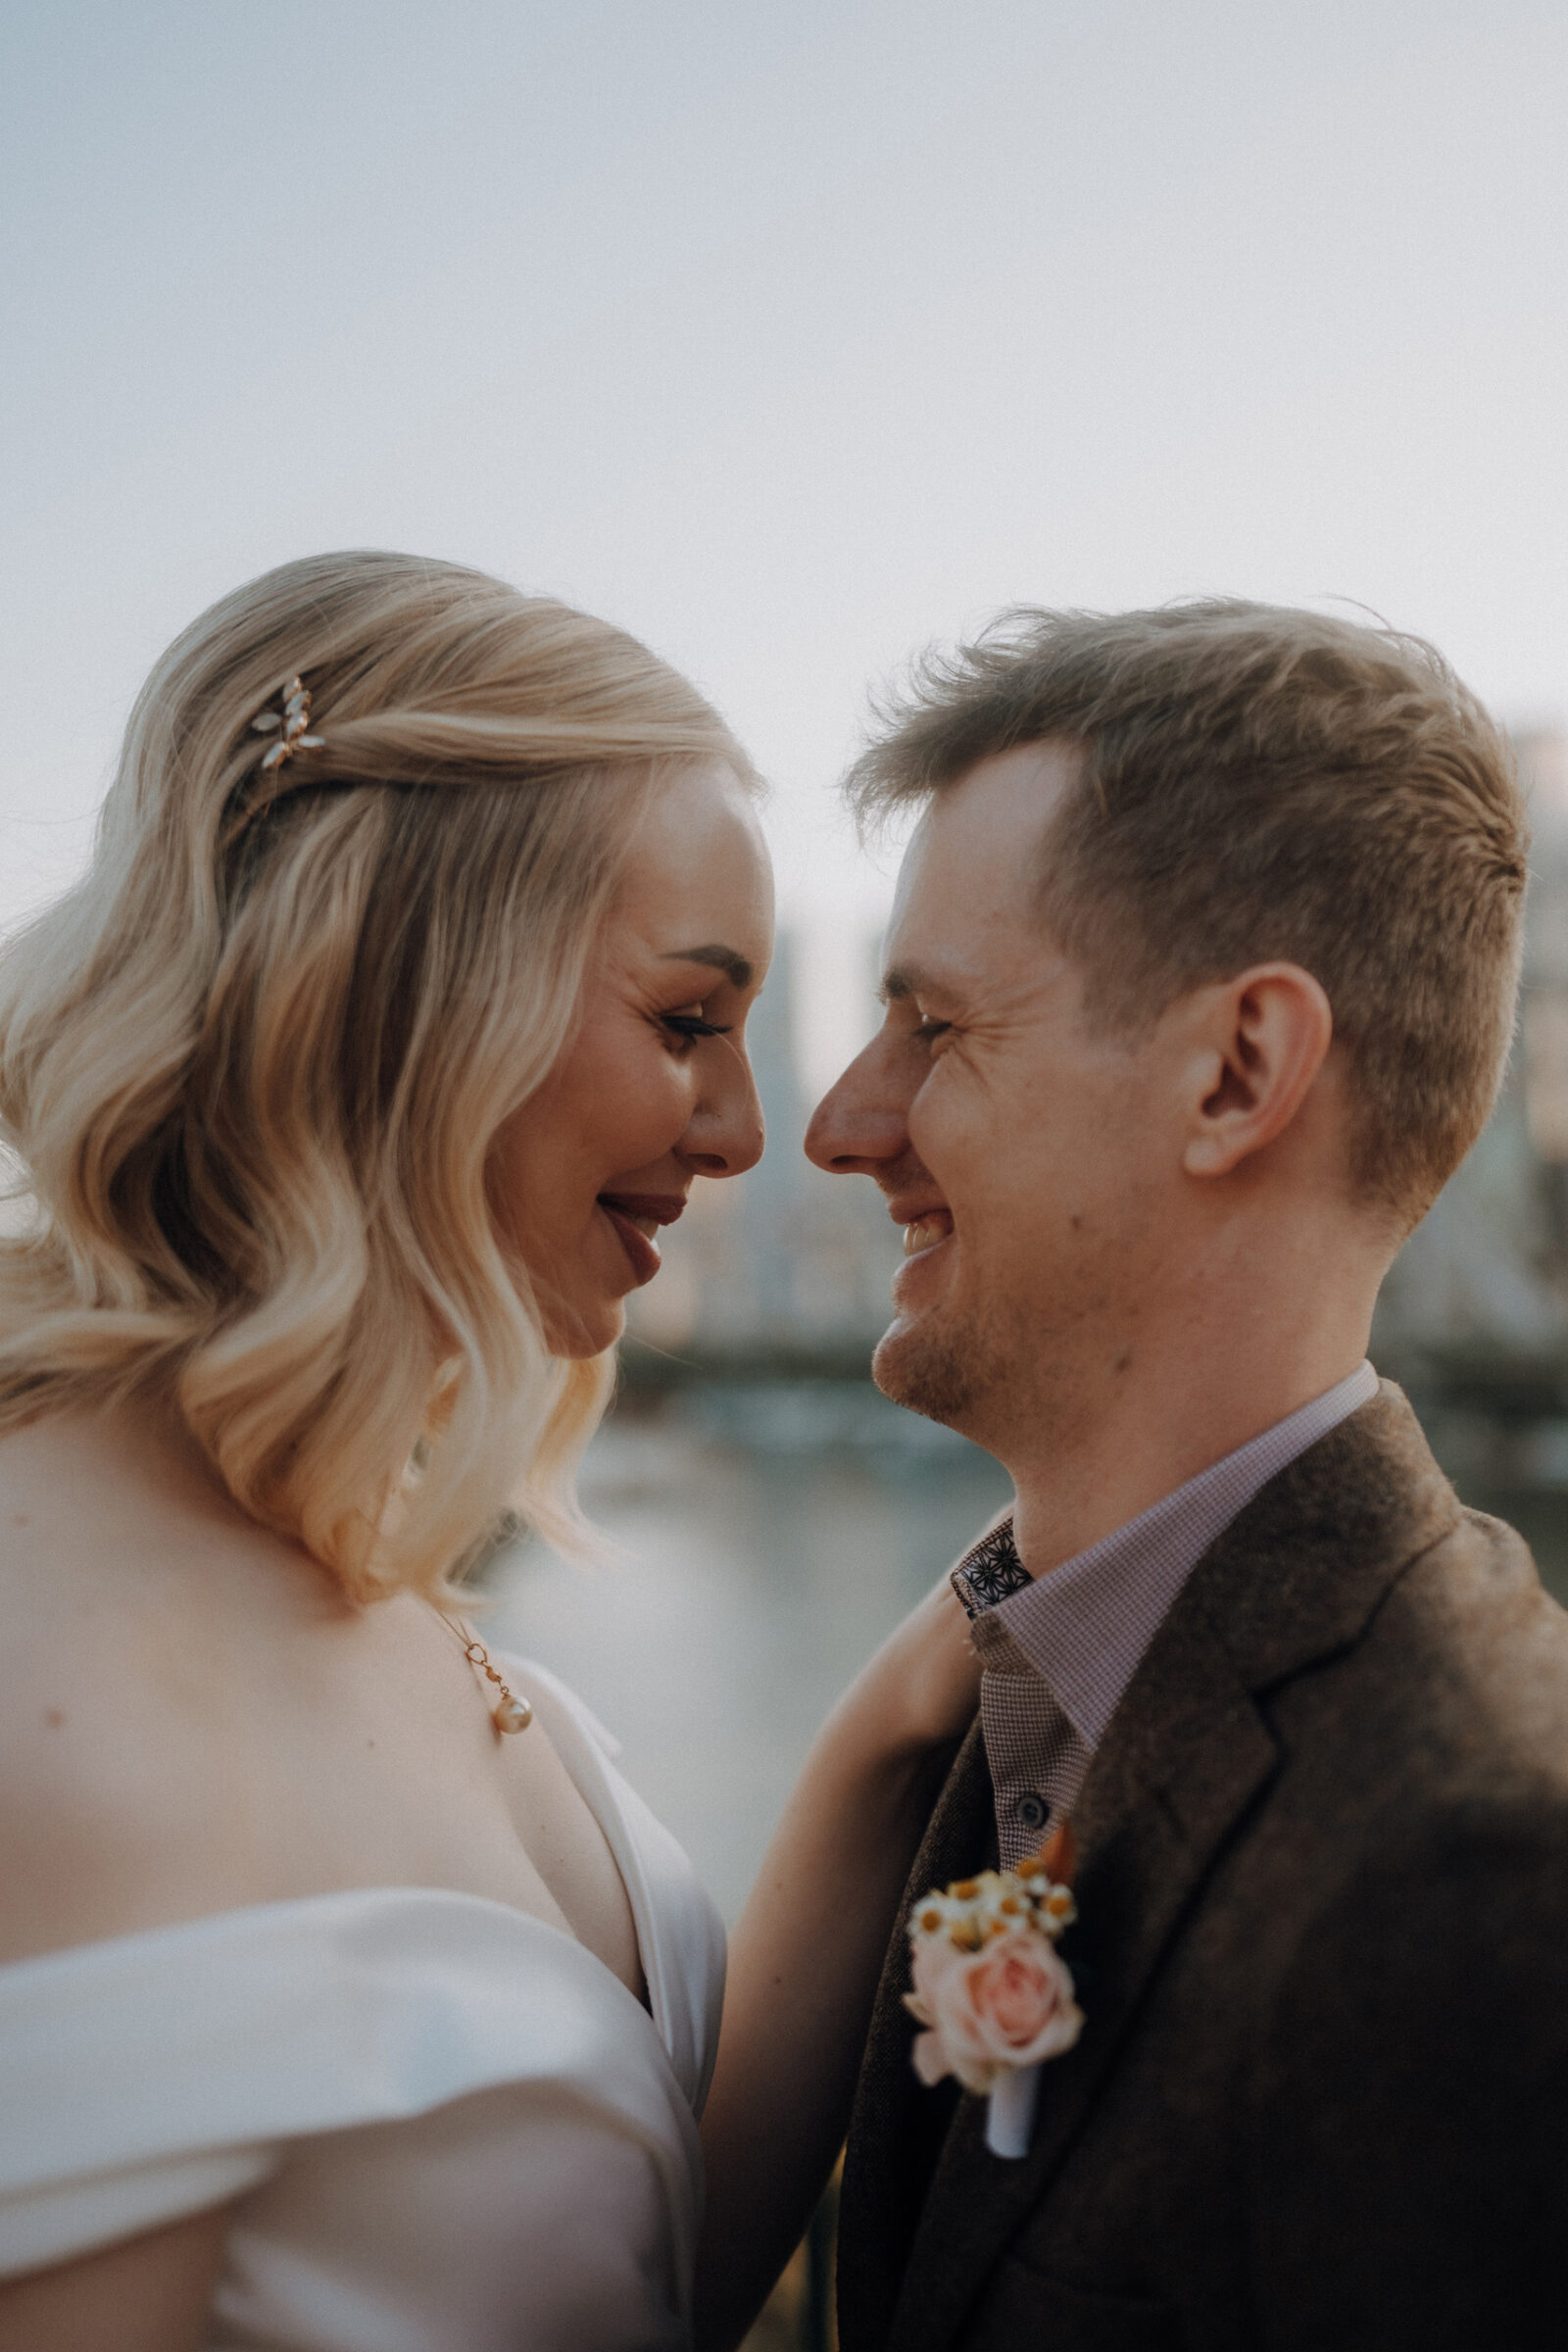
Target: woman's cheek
(679, 1100)
(651, 1105)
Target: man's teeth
(925, 1233)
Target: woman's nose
(726, 1133)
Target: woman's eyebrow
(727, 960)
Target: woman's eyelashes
(687, 1027)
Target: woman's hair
(253, 1065)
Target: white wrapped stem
(1010, 2112)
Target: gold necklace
(511, 1713)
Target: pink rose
(1007, 2005)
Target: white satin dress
(447, 2126)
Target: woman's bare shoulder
(115, 1617)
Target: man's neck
(1078, 1484)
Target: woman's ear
(1262, 1038)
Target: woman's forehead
(700, 877)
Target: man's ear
(1259, 1041)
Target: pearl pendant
(511, 1713)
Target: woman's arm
(152, 2293)
(808, 1952)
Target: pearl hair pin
(511, 1713)
(289, 727)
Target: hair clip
(289, 727)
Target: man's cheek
(942, 1129)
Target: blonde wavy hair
(254, 1066)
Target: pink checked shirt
(1059, 1652)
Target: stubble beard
(947, 1367)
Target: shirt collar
(1084, 1626)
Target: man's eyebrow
(727, 960)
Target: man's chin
(921, 1369)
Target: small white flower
(938, 1913)
(1056, 1910)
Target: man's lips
(925, 1224)
(637, 1217)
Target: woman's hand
(921, 1688)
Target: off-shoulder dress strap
(150, 2075)
(153, 2075)
(679, 1934)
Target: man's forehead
(969, 876)
(1009, 796)
(989, 827)
(953, 961)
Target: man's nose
(861, 1122)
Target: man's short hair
(1257, 784)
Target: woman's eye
(929, 1030)
(689, 1026)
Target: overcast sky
(788, 337)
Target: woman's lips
(636, 1217)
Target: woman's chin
(578, 1333)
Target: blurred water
(770, 1535)
(772, 1538)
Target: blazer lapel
(1146, 1844)
(1186, 1758)
(896, 2128)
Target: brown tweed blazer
(1321, 2099)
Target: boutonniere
(993, 1993)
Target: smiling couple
(350, 1999)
